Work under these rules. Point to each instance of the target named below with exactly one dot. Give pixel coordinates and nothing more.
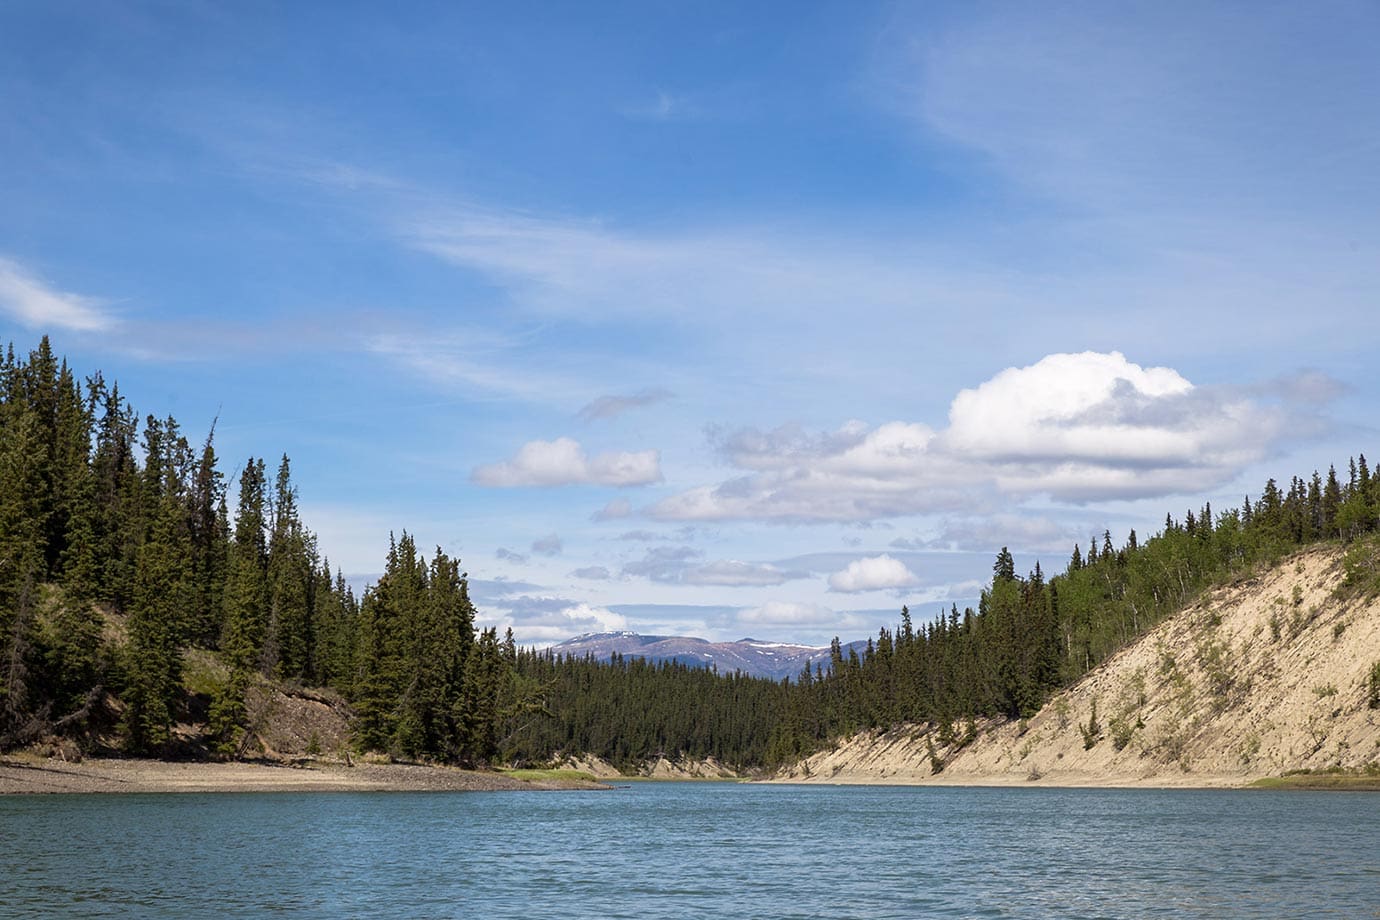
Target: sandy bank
(1066, 780)
(34, 775)
(1266, 676)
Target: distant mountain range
(750, 656)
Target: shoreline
(1072, 780)
(52, 776)
(29, 775)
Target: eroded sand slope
(1261, 677)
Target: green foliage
(1122, 729)
(1373, 688)
(1362, 566)
(1092, 731)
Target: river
(654, 850)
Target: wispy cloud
(606, 407)
(40, 306)
(665, 106)
(615, 510)
(664, 564)
(736, 574)
(479, 361)
(563, 462)
(1031, 533)
(549, 545)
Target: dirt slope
(1258, 678)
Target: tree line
(118, 554)
(1032, 635)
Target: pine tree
(164, 591)
(1331, 502)
(245, 600)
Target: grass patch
(1339, 781)
(204, 673)
(536, 775)
(1364, 779)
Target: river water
(695, 850)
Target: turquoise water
(692, 850)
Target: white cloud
(1077, 427)
(593, 573)
(583, 616)
(875, 573)
(39, 306)
(563, 462)
(1086, 426)
(787, 613)
(564, 623)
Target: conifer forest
(120, 557)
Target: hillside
(1265, 676)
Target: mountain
(749, 656)
(1275, 673)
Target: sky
(712, 319)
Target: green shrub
(1092, 732)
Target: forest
(119, 558)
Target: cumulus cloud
(1076, 427)
(874, 573)
(1090, 426)
(593, 573)
(549, 545)
(563, 462)
(548, 619)
(39, 306)
(787, 613)
(612, 406)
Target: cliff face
(1265, 676)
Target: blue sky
(718, 319)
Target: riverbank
(33, 775)
(1267, 677)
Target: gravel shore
(21, 775)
